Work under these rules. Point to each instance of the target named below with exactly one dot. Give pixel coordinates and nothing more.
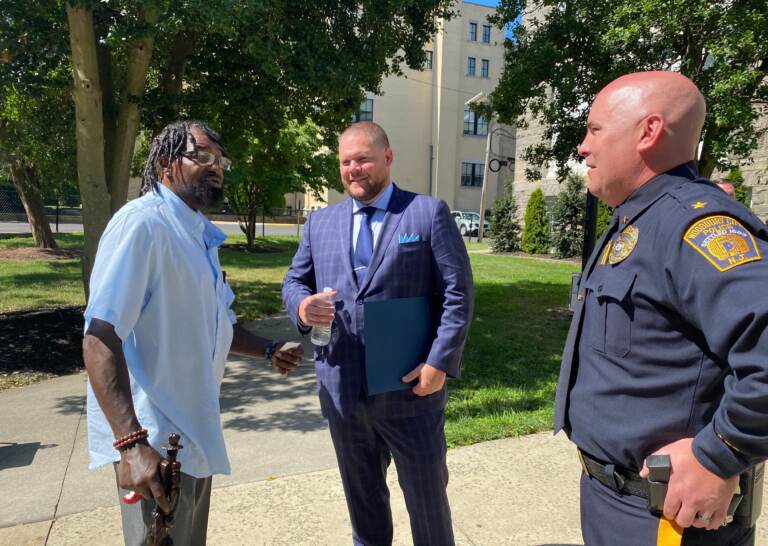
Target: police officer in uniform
(668, 349)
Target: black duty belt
(621, 480)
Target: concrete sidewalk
(284, 487)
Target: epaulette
(700, 197)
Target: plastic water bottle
(321, 335)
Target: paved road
(228, 227)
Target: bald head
(373, 131)
(668, 94)
(640, 125)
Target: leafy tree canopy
(294, 159)
(247, 67)
(565, 52)
(36, 113)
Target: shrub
(536, 230)
(737, 179)
(604, 215)
(504, 224)
(568, 218)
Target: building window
(365, 113)
(472, 32)
(484, 68)
(428, 61)
(472, 174)
(486, 34)
(471, 67)
(474, 124)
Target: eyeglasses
(209, 159)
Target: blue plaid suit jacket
(419, 253)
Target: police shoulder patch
(723, 241)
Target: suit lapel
(388, 227)
(346, 238)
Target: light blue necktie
(364, 247)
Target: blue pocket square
(406, 238)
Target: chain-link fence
(268, 220)
(63, 208)
(10, 202)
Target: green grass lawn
(513, 353)
(255, 277)
(474, 246)
(41, 282)
(510, 362)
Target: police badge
(623, 245)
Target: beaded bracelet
(129, 440)
(270, 350)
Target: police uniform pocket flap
(615, 285)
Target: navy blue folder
(398, 336)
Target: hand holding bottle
(318, 311)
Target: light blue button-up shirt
(377, 219)
(157, 280)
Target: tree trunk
(250, 234)
(128, 117)
(24, 180)
(707, 161)
(706, 164)
(109, 108)
(172, 79)
(89, 122)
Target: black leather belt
(621, 480)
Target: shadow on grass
(52, 272)
(256, 299)
(262, 245)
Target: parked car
(469, 222)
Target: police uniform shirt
(674, 337)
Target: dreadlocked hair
(169, 146)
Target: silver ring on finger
(704, 519)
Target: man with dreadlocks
(158, 329)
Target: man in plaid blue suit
(352, 248)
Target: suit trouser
(364, 446)
(190, 518)
(609, 519)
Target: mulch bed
(27, 253)
(48, 342)
(258, 248)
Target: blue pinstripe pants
(365, 445)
